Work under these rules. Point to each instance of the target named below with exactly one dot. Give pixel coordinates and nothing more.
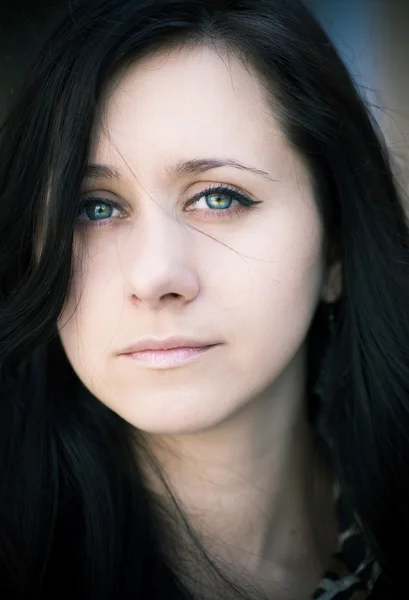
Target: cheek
(89, 320)
(282, 291)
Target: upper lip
(166, 344)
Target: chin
(173, 421)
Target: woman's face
(157, 265)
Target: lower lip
(164, 359)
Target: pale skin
(242, 460)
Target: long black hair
(75, 517)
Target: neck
(255, 491)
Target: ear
(332, 287)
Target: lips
(146, 345)
(168, 353)
(167, 359)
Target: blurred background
(371, 35)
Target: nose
(159, 267)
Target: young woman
(204, 331)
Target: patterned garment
(352, 573)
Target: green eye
(219, 200)
(97, 209)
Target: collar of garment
(353, 572)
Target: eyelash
(229, 191)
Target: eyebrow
(182, 167)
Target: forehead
(187, 103)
